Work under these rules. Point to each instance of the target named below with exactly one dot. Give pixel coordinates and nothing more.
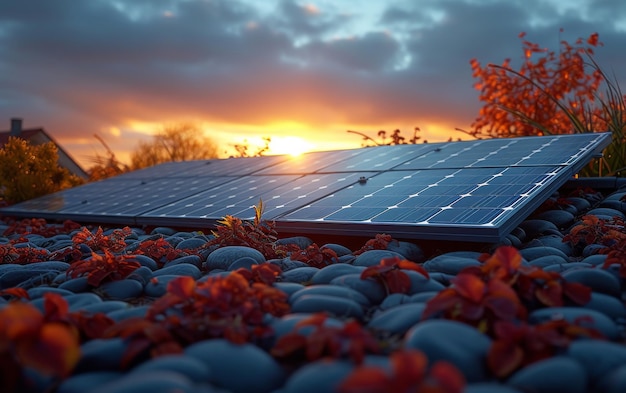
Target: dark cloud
(77, 67)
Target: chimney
(16, 126)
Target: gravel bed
(160, 310)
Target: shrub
(30, 171)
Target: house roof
(25, 134)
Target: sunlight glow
(292, 145)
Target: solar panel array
(473, 190)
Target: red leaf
(182, 287)
(445, 300)
(397, 281)
(55, 306)
(19, 293)
(576, 292)
(365, 380)
(470, 287)
(550, 294)
(408, 265)
(408, 368)
(289, 344)
(504, 357)
(19, 320)
(448, 377)
(54, 351)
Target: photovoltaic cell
(473, 190)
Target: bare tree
(176, 142)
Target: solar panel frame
(458, 205)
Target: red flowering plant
(231, 306)
(517, 345)
(595, 230)
(39, 226)
(534, 286)
(348, 340)
(389, 272)
(258, 234)
(160, 250)
(314, 256)
(474, 301)
(105, 267)
(410, 372)
(48, 341)
(265, 273)
(22, 255)
(379, 242)
(97, 240)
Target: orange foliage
(543, 77)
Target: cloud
(82, 67)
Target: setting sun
(292, 145)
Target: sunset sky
(292, 70)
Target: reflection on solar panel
(476, 190)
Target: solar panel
(473, 190)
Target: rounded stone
(332, 290)
(449, 264)
(598, 357)
(548, 260)
(38, 292)
(191, 367)
(398, 319)
(191, 243)
(550, 241)
(606, 304)
(85, 382)
(121, 289)
(489, 387)
(393, 300)
(238, 368)
(319, 376)
(223, 257)
(101, 355)
(76, 285)
(556, 374)
(301, 241)
(243, 263)
(532, 253)
(370, 288)
(605, 211)
(534, 228)
(615, 381)
(455, 342)
(142, 275)
(187, 259)
(420, 283)
(106, 306)
(21, 277)
(330, 272)
(337, 306)
(585, 317)
(373, 257)
(182, 269)
(560, 218)
(300, 275)
(158, 287)
(149, 382)
(597, 279)
(146, 261)
(410, 251)
(337, 248)
(78, 300)
(288, 287)
(595, 260)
